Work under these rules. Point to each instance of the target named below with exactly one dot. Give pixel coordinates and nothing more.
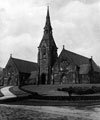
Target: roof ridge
(14, 62)
(25, 66)
(76, 54)
(23, 60)
(69, 56)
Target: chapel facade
(66, 68)
(47, 53)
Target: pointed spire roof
(47, 36)
(48, 16)
(48, 22)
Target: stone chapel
(66, 68)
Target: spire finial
(63, 46)
(48, 16)
(11, 55)
(48, 6)
(48, 23)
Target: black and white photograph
(49, 60)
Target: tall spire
(48, 36)
(48, 16)
(48, 23)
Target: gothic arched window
(64, 65)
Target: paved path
(7, 94)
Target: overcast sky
(76, 24)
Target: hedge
(81, 90)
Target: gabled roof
(77, 59)
(95, 66)
(49, 40)
(25, 66)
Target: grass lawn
(46, 90)
(49, 95)
(51, 90)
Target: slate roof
(84, 69)
(77, 59)
(33, 75)
(25, 66)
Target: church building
(47, 53)
(68, 67)
(51, 68)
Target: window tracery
(65, 66)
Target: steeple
(48, 22)
(48, 35)
(47, 53)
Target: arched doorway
(43, 78)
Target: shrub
(81, 90)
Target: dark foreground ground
(16, 112)
(49, 107)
